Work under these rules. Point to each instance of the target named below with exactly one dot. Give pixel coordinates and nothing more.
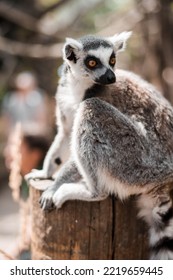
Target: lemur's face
(99, 64)
(94, 58)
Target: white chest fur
(69, 97)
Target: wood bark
(81, 230)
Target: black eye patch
(92, 62)
(112, 55)
(112, 59)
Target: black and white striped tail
(157, 211)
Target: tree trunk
(87, 230)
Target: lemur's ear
(71, 48)
(119, 40)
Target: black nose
(107, 78)
(110, 76)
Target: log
(82, 230)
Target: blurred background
(32, 33)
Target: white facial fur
(103, 54)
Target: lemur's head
(94, 58)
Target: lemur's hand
(36, 174)
(46, 199)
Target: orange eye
(112, 61)
(92, 63)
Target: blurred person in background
(27, 128)
(27, 106)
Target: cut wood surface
(82, 230)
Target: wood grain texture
(87, 231)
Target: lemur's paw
(36, 175)
(57, 201)
(60, 196)
(46, 200)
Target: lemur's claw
(46, 199)
(46, 204)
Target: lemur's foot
(58, 198)
(46, 199)
(36, 174)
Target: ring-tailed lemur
(121, 134)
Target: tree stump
(82, 230)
